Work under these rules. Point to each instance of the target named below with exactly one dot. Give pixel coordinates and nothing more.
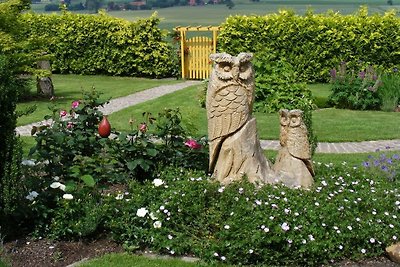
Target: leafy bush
(14, 61)
(314, 42)
(100, 44)
(354, 89)
(72, 162)
(277, 85)
(384, 166)
(389, 91)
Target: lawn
(122, 260)
(330, 125)
(69, 88)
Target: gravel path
(133, 99)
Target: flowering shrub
(354, 89)
(74, 165)
(384, 166)
(352, 215)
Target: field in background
(216, 14)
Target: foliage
(354, 89)
(12, 62)
(383, 165)
(389, 91)
(314, 42)
(278, 85)
(73, 165)
(100, 44)
(241, 224)
(158, 142)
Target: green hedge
(100, 44)
(316, 43)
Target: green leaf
(151, 152)
(88, 180)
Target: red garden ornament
(104, 127)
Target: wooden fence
(195, 52)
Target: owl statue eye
(225, 66)
(243, 68)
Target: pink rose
(192, 144)
(70, 125)
(143, 127)
(75, 104)
(63, 113)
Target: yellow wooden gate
(195, 52)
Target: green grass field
(216, 14)
(330, 125)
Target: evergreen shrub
(101, 44)
(315, 43)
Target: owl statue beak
(235, 73)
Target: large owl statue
(293, 162)
(230, 98)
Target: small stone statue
(293, 164)
(235, 149)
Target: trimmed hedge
(316, 43)
(100, 44)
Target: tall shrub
(101, 44)
(314, 43)
(14, 60)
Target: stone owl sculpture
(229, 99)
(293, 162)
(234, 146)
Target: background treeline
(316, 43)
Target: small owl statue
(230, 98)
(293, 163)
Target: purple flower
(395, 69)
(395, 156)
(361, 75)
(366, 164)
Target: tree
(14, 60)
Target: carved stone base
(292, 171)
(241, 154)
(394, 252)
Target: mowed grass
(124, 259)
(70, 87)
(330, 125)
(216, 14)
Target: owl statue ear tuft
(245, 57)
